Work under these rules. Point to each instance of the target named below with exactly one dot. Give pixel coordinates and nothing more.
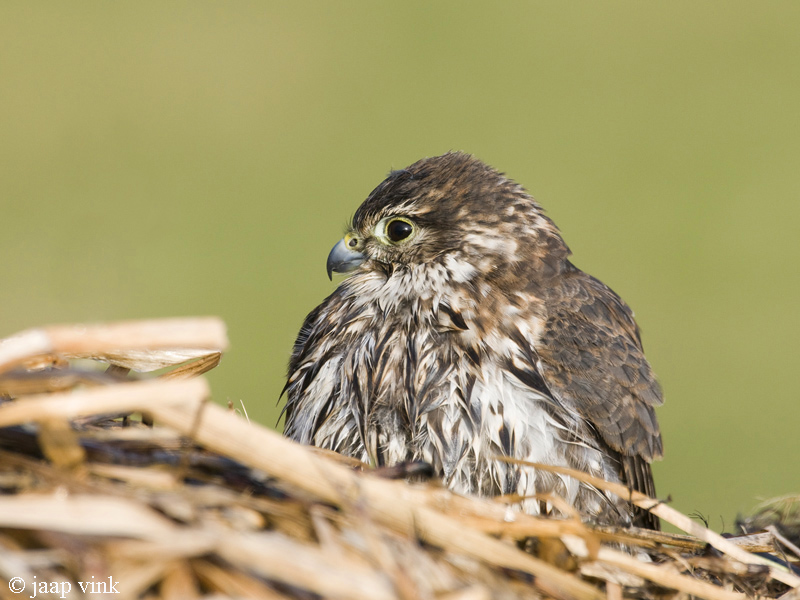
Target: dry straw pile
(140, 487)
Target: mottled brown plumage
(464, 333)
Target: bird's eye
(398, 230)
(395, 230)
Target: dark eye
(398, 230)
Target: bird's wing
(591, 360)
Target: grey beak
(343, 259)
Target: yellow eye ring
(395, 230)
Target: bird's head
(453, 211)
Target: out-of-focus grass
(202, 158)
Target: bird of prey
(463, 334)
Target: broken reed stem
(199, 333)
(279, 558)
(144, 396)
(194, 332)
(665, 577)
(672, 516)
(84, 515)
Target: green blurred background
(191, 158)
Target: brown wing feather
(638, 476)
(592, 361)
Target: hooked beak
(343, 258)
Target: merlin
(463, 334)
